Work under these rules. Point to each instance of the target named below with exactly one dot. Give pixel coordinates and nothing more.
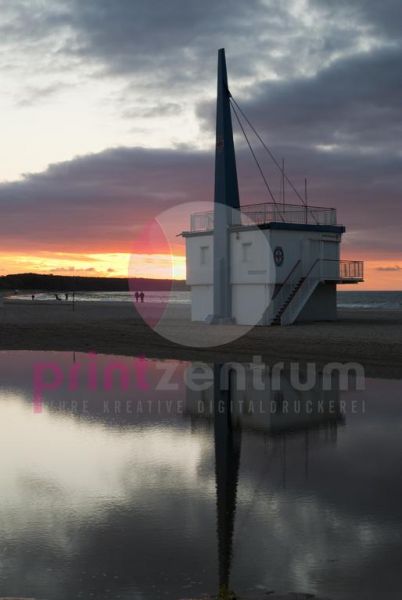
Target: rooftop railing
(260, 214)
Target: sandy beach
(372, 338)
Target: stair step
(277, 318)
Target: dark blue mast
(226, 197)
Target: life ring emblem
(279, 256)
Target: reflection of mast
(284, 461)
(227, 461)
(306, 454)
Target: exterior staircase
(298, 287)
(277, 319)
(284, 296)
(295, 291)
(298, 300)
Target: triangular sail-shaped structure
(226, 196)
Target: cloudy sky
(107, 108)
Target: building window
(204, 252)
(246, 248)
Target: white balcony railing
(338, 270)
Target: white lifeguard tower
(268, 264)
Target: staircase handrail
(303, 293)
(280, 297)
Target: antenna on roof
(283, 183)
(306, 198)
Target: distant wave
(370, 300)
(372, 305)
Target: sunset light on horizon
(379, 275)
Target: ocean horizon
(364, 300)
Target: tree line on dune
(53, 283)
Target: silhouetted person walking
(142, 295)
(136, 296)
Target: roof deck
(267, 212)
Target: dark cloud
(383, 17)
(32, 95)
(355, 102)
(73, 269)
(170, 45)
(161, 109)
(28, 21)
(166, 41)
(396, 268)
(98, 202)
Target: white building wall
(254, 273)
(202, 302)
(249, 303)
(199, 265)
(199, 260)
(251, 276)
(308, 246)
(251, 257)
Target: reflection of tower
(227, 461)
(293, 422)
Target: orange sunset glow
(379, 275)
(153, 266)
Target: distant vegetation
(63, 283)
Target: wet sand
(372, 338)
